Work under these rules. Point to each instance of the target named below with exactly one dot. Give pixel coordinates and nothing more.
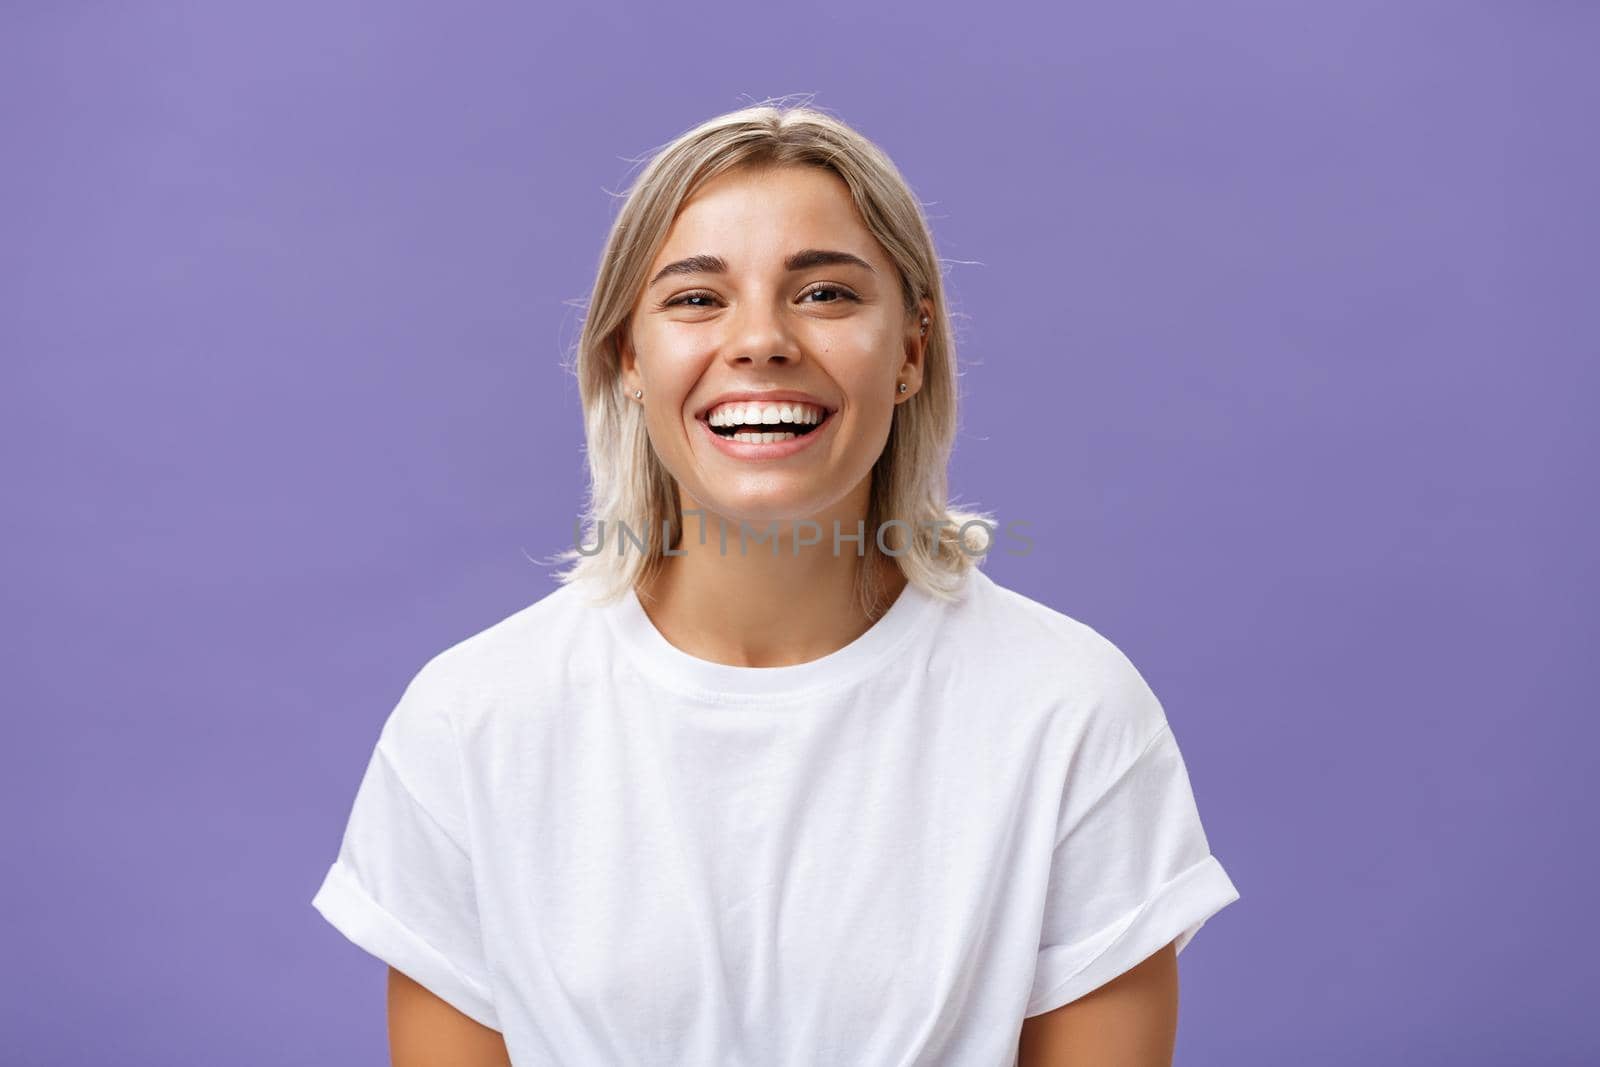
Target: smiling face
(769, 282)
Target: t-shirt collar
(872, 651)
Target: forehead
(753, 217)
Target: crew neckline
(671, 665)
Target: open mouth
(769, 432)
(765, 422)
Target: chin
(764, 507)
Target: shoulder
(447, 715)
(547, 646)
(1100, 699)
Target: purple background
(1279, 328)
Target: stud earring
(904, 387)
(924, 325)
(637, 393)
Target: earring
(904, 387)
(637, 393)
(924, 325)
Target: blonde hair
(627, 481)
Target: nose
(760, 338)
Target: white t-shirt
(614, 852)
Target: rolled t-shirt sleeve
(1132, 869)
(401, 887)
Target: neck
(764, 608)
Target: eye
(687, 297)
(841, 291)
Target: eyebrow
(801, 260)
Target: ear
(916, 348)
(628, 361)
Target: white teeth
(764, 438)
(746, 414)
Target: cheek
(865, 374)
(872, 411)
(867, 353)
(670, 367)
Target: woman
(777, 775)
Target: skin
(424, 1031)
(841, 333)
(1131, 1021)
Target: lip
(750, 450)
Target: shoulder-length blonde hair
(627, 481)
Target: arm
(425, 1031)
(1131, 1021)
